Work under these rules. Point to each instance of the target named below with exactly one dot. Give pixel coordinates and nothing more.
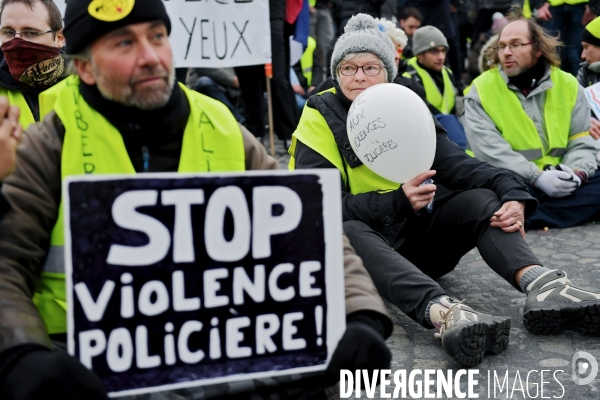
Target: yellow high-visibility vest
(314, 132)
(212, 142)
(443, 102)
(505, 109)
(16, 98)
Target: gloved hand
(556, 183)
(361, 347)
(576, 178)
(33, 372)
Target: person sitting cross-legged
(403, 246)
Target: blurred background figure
(219, 83)
(438, 13)
(564, 19)
(322, 30)
(410, 21)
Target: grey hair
(352, 56)
(84, 55)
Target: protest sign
(592, 93)
(184, 280)
(216, 33)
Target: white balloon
(392, 132)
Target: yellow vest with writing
(443, 102)
(212, 142)
(505, 109)
(314, 132)
(16, 98)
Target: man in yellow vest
(123, 112)
(531, 118)
(589, 70)
(31, 34)
(428, 68)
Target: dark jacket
(586, 75)
(436, 13)
(345, 9)
(387, 212)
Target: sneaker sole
(552, 319)
(469, 343)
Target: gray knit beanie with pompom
(362, 34)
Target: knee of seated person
(203, 82)
(355, 229)
(485, 200)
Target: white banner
(219, 33)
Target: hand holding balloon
(419, 196)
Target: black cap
(87, 20)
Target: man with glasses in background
(428, 68)
(31, 37)
(531, 118)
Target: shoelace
(447, 317)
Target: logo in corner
(110, 10)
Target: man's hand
(10, 136)
(298, 89)
(419, 196)
(34, 374)
(510, 217)
(556, 183)
(236, 83)
(544, 12)
(595, 129)
(361, 347)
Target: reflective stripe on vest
(443, 103)
(505, 109)
(212, 142)
(306, 61)
(555, 3)
(314, 132)
(16, 98)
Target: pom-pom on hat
(362, 34)
(87, 20)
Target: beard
(150, 98)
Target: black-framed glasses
(369, 69)
(29, 35)
(511, 46)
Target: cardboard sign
(217, 33)
(593, 96)
(183, 280)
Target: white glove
(563, 167)
(556, 183)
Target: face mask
(32, 64)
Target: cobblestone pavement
(576, 251)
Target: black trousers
(433, 245)
(252, 82)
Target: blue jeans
(566, 22)
(208, 87)
(581, 206)
(453, 128)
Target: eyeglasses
(513, 46)
(351, 69)
(29, 35)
